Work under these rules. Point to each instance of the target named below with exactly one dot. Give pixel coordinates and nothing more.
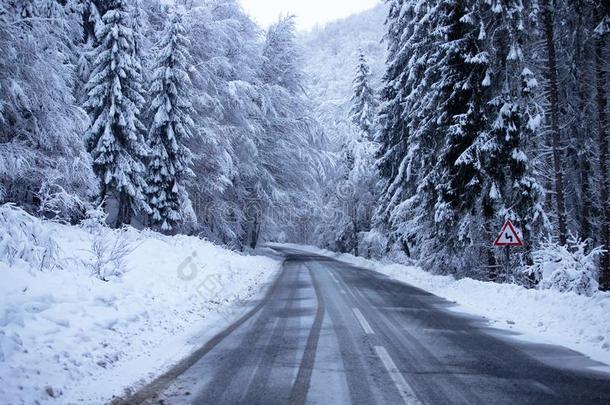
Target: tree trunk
(254, 235)
(583, 149)
(493, 267)
(585, 191)
(124, 210)
(356, 230)
(555, 134)
(602, 105)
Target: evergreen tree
(452, 152)
(555, 142)
(393, 133)
(114, 137)
(407, 136)
(171, 127)
(580, 151)
(141, 44)
(360, 186)
(91, 19)
(511, 189)
(364, 100)
(461, 89)
(601, 33)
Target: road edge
(150, 390)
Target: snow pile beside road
(575, 321)
(547, 316)
(68, 336)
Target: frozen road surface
(330, 333)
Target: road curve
(331, 333)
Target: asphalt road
(330, 333)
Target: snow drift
(85, 312)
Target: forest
(182, 120)
(188, 118)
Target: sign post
(508, 237)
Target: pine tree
(360, 186)
(408, 137)
(462, 92)
(510, 188)
(581, 148)
(393, 134)
(555, 134)
(444, 154)
(141, 42)
(91, 19)
(364, 100)
(172, 125)
(114, 137)
(602, 31)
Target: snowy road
(329, 333)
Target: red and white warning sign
(508, 236)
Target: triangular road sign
(508, 236)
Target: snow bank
(567, 268)
(67, 336)
(547, 316)
(575, 321)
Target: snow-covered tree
(364, 100)
(407, 137)
(457, 119)
(548, 21)
(172, 124)
(461, 118)
(91, 19)
(289, 145)
(43, 165)
(569, 268)
(510, 188)
(601, 34)
(141, 43)
(358, 187)
(115, 137)
(227, 57)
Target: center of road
(406, 392)
(303, 380)
(363, 322)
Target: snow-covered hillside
(68, 336)
(331, 56)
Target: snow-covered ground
(574, 321)
(66, 336)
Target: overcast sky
(308, 12)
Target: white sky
(308, 12)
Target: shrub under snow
(373, 243)
(566, 268)
(23, 238)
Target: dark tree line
(495, 110)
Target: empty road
(331, 333)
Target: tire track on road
(151, 390)
(298, 394)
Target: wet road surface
(330, 333)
